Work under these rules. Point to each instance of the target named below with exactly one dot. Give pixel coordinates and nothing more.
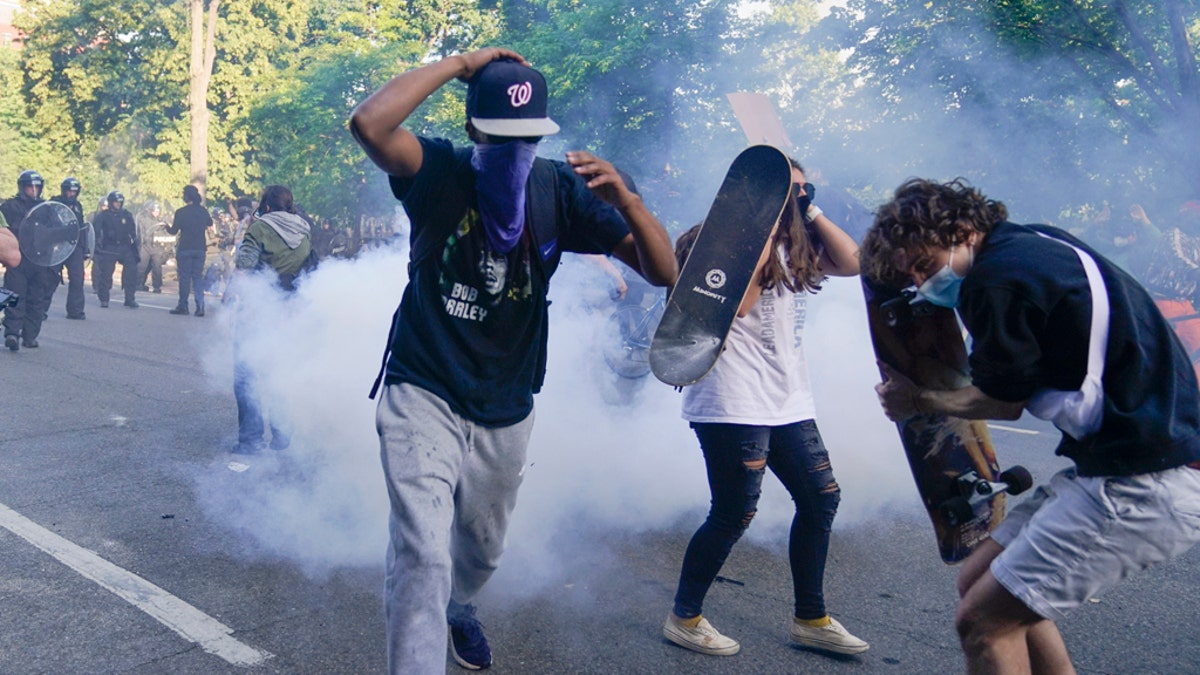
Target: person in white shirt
(755, 411)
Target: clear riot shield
(89, 240)
(49, 233)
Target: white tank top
(762, 376)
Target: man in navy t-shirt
(1061, 331)
(467, 349)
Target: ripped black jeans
(734, 455)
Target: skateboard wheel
(1018, 479)
(957, 511)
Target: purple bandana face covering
(500, 173)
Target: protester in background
(69, 197)
(117, 242)
(34, 284)
(463, 364)
(323, 239)
(1064, 333)
(191, 223)
(218, 253)
(754, 411)
(156, 247)
(101, 207)
(278, 243)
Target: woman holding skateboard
(755, 411)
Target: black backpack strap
(387, 353)
(542, 215)
(542, 212)
(426, 242)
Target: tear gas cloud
(609, 452)
(605, 453)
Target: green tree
(113, 76)
(202, 25)
(1039, 97)
(643, 85)
(298, 122)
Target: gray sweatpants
(453, 485)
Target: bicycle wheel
(626, 341)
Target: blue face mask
(942, 288)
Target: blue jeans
(737, 457)
(191, 276)
(251, 428)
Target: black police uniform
(116, 242)
(74, 262)
(35, 285)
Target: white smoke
(606, 452)
(322, 502)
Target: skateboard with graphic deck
(718, 271)
(953, 461)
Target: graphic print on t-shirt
(800, 303)
(475, 280)
(767, 317)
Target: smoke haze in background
(605, 453)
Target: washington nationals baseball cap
(506, 98)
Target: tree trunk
(203, 51)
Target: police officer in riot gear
(116, 242)
(35, 285)
(157, 245)
(74, 263)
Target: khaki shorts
(1077, 536)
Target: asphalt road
(132, 542)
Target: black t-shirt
(471, 323)
(190, 223)
(1027, 305)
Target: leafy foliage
(1043, 102)
(1036, 98)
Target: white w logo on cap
(520, 94)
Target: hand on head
(602, 178)
(475, 60)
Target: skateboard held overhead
(952, 459)
(716, 275)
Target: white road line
(194, 625)
(1015, 430)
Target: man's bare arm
(647, 249)
(10, 250)
(901, 399)
(376, 122)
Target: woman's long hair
(799, 270)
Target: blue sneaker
(468, 644)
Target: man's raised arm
(376, 122)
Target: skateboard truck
(903, 308)
(974, 490)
